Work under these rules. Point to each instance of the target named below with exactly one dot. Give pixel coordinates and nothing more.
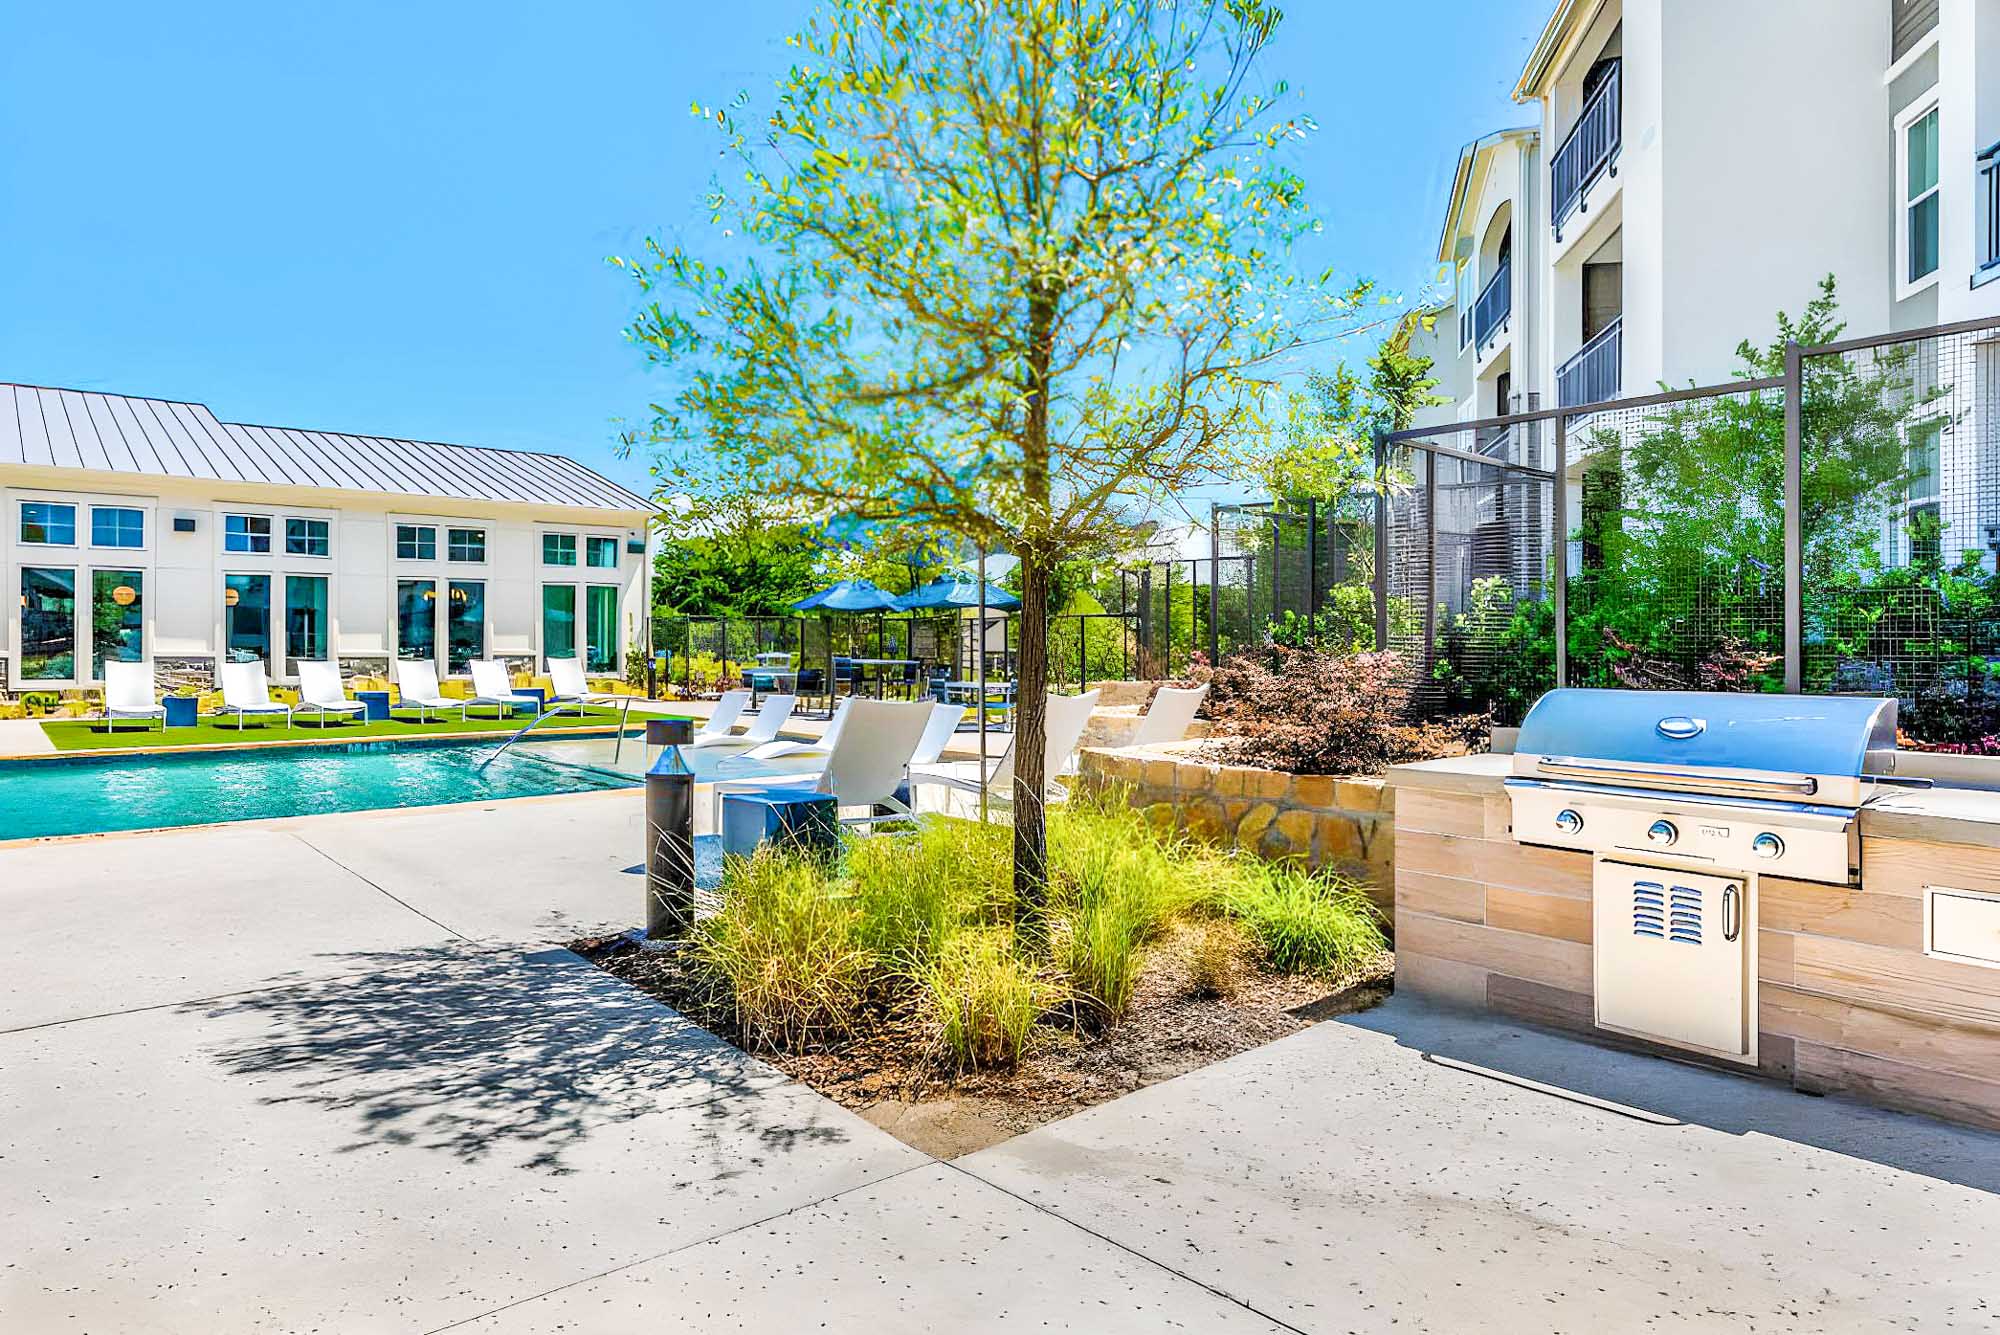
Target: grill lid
(1819, 735)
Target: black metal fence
(1831, 528)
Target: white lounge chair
(494, 688)
(1170, 715)
(321, 691)
(868, 765)
(1063, 725)
(822, 743)
(572, 688)
(417, 688)
(764, 724)
(938, 733)
(128, 693)
(246, 691)
(718, 727)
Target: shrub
(984, 998)
(914, 891)
(788, 943)
(1315, 711)
(1115, 886)
(1307, 922)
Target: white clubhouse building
(150, 531)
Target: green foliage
(812, 950)
(1117, 886)
(1327, 449)
(759, 572)
(1307, 922)
(789, 945)
(1010, 267)
(1497, 656)
(984, 997)
(1681, 526)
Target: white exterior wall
(183, 573)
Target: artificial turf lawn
(91, 734)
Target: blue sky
(393, 218)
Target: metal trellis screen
(1834, 528)
(1466, 596)
(1901, 487)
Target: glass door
(465, 614)
(48, 625)
(601, 628)
(246, 619)
(305, 620)
(117, 618)
(558, 621)
(416, 620)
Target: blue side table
(377, 705)
(541, 700)
(181, 710)
(807, 821)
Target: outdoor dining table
(765, 680)
(878, 664)
(999, 694)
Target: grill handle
(1571, 767)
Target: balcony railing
(1989, 190)
(1588, 151)
(1592, 375)
(1495, 304)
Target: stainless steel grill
(1685, 800)
(1732, 781)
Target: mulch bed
(892, 1074)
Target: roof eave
(1468, 160)
(1535, 72)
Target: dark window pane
(117, 526)
(117, 618)
(246, 616)
(48, 625)
(305, 616)
(467, 624)
(601, 637)
(48, 523)
(558, 621)
(416, 619)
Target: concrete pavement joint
(1110, 1241)
(773, 1217)
(376, 887)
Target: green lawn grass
(92, 734)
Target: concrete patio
(331, 1073)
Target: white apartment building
(150, 531)
(1695, 166)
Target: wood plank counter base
(1848, 999)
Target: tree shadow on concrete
(485, 1055)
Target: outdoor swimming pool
(88, 795)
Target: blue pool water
(85, 795)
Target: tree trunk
(1031, 836)
(1031, 842)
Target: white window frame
(76, 531)
(273, 533)
(396, 540)
(485, 546)
(145, 525)
(1923, 106)
(289, 554)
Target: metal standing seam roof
(116, 433)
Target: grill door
(1671, 957)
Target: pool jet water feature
(617, 746)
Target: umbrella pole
(979, 650)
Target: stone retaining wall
(1348, 824)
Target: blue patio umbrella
(945, 594)
(849, 595)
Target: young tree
(1011, 268)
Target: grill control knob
(1568, 821)
(1663, 833)
(1767, 845)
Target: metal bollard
(669, 833)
